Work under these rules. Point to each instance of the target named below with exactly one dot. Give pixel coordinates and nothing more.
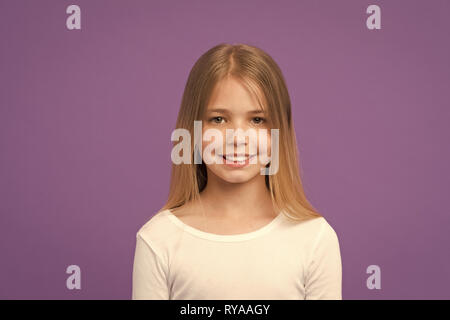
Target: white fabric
(282, 260)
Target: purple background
(86, 117)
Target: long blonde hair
(262, 76)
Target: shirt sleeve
(324, 275)
(149, 273)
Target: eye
(217, 120)
(258, 120)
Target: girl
(227, 231)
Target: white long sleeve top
(281, 260)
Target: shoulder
(312, 226)
(158, 229)
(314, 231)
(325, 235)
(323, 227)
(157, 220)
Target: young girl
(227, 231)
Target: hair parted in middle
(260, 74)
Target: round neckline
(223, 237)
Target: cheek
(264, 145)
(208, 139)
(212, 143)
(204, 142)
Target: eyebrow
(226, 111)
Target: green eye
(217, 119)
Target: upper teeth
(237, 158)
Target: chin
(237, 176)
(236, 179)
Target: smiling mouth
(237, 159)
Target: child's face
(232, 106)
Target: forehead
(233, 96)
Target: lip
(237, 164)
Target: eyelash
(262, 120)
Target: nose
(241, 140)
(235, 137)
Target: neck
(223, 199)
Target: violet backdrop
(86, 117)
